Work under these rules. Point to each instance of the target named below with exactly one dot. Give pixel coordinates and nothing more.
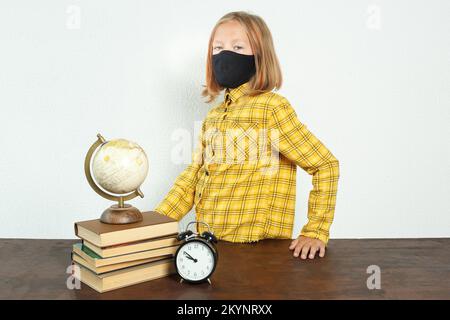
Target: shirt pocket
(242, 142)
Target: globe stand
(117, 215)
(120, 213)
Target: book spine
(76, 229)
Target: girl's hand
(308, 247)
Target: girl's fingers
(298, 248)
(293, 244)
(322, 251)
(312, 252)
(305, 250)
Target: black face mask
(231, 69)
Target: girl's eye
(220, 48)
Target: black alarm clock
(196, 257)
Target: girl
(253, 198)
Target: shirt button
(225, 110)
(200, 194)
(207, 173)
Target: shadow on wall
(181, 93)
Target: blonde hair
(268, 73)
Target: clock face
(195, 260)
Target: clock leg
(209, 281)
(181, 280)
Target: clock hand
(189, 256)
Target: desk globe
(120, 167)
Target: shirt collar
(236, 93)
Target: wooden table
(410, 269)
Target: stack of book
(115, 256)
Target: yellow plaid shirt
(242, 179)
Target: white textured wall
(369, 78)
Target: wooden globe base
(118, 215)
